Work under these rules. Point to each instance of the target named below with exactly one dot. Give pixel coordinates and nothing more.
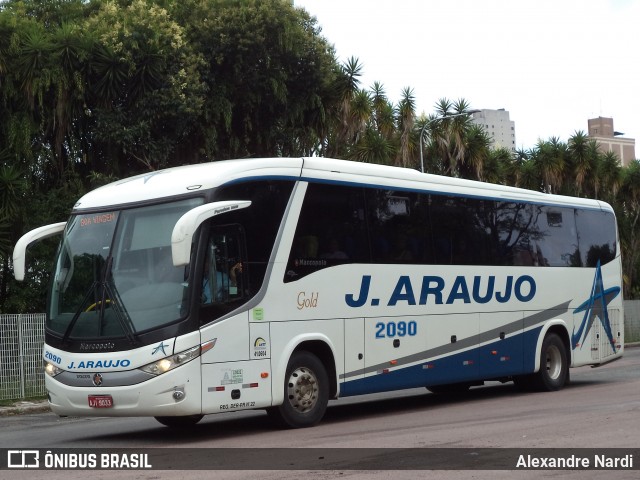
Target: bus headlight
(169, 363)
(51, 369)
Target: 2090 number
(396, 329)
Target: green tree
(373, 126)
(12, 190)
(608, 175)
(269, 77)
(146, 92)
(549, 158)
(479, 161)
(497, 163)
(628, 214)
(447, 137)
(407, 136)
(581, 162)
(345, 123)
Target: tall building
(498, 126)
(601, 129)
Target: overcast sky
(552, 64)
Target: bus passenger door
(503, 354)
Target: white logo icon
(23, 459)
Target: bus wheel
(554, 365)
(180, 422)
(306, 392)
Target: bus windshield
(114, 274)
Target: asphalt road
(600, 409)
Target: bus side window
(222, 280)
(331, 230)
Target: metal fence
(22, 337)
(631, 321)
(21, 372)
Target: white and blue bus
(280, 284)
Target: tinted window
(260, 222)
(425, 228)
(556, 237)
(398, 226)
(331, 230)
(460, 231)
(596, 236)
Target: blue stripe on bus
(456, 368)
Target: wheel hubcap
(302, 389)
(554, 362)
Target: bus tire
(554, 365)
(306, 392)
(180, 422)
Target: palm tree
(496, 164)
(347, 88)
(529, 175)
(514, 168)
(383, 113)
(448, 136)
(360, 112)
(549, 157)
(479, 162)
(373, 147)
(379, 107)
(406, 122)
(628, 213)
(609, 176)
(580, 159)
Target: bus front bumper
(174, 393)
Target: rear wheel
(554, 367)
(306, 392)
(180, 422)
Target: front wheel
(306, 392)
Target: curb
(20, 408)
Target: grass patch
(11, 402)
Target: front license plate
(100, 401)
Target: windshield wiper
(108, 295)
(121, 313)
(76, 316)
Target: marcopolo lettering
(434, 290)
(97, 346)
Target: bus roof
(188, 179)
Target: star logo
(595, 308)
(160, 348)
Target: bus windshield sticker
(97, 219)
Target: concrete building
(601, 129)
(500, 128)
